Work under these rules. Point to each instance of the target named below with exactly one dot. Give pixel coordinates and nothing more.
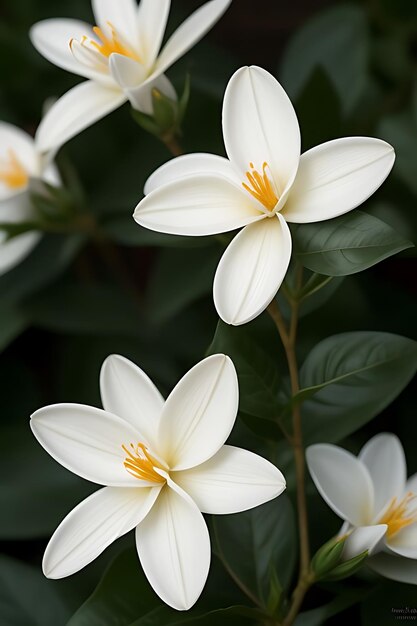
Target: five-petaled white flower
(262, 186)
(120, 57)
(379, 505)
(162, 464)
(20, 162)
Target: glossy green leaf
(254, 543)
(349, 378)
(336, 40)
(347, 244)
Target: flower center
(261, 187)
(96, 53)
(399, 514)
(12, 172)
(141, 464)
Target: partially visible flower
(120, 57)
(379, 505)
(162, 464)
(263, 185)
(19, 163)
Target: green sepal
(347, 568)
(328, 557)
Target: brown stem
(300, 591)
(173, 145)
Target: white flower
(19, 163)
(121, 58)
(379, 505)
(262, 186)
(162, 463)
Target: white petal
(174, 548)
(404, 542)
(152, 20)
(232, 480)
(384, 457)
(198, 205)
(121, 14)
(251, 270)
(79, 108)
(93, 525)
(336, 177)
(188, 165)
(191, 31)
(199, 413)
(343, 482)
(260, 125)
(129, 393)
(88, 442)
(15, 141)
(13, 210)
(395, 567)
(412, 484)
(52, 39)
(127, 72)
(363, 538)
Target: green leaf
(27, 598)
(256, 542)
(349, 378)
(401, 131)
(336, 40)
(347, 244)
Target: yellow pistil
(260, 187)
(12, 172)
(112, 44)
(398, 514)
(140, 463)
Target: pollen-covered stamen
(12, 172)
(261, 187)
(400, 514)
(141, 464)
(96, 53)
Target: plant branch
(173, 144)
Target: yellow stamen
(260, 187)
(141, 464)
(12, 172)
(398, 514)
(110, 45)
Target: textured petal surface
(384, 457)
(174, 548)
(152, 20)
(87, 441)
(52, 39)
(395, 567)
(191, 31)
(260, 125)
(232, 480)
(93, 525)
(188, 165)
(122, 15)
(336, 177)
(198, 205)
(21, 145)
(405, 542)
(199, 413)
(251, 270)
(79, 108)
(343, 482)
(363, 538)
(129, 393)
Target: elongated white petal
(174, 548)
(343, 482)
(121, 14)
(260, 126)
(364, 538)
(404, 542)
(152, 20)
(395, 567)
(251, 270)
(16, 143)
(88, 442)
(412, 484)
(187, 165)
(336, 177)
(129, 393)
(198, 205)
(93, 525)
(127, 72)
(52, 39)
(384, 457)
(191, 31)
(79, 108)
(232, 480)
(199, 413)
